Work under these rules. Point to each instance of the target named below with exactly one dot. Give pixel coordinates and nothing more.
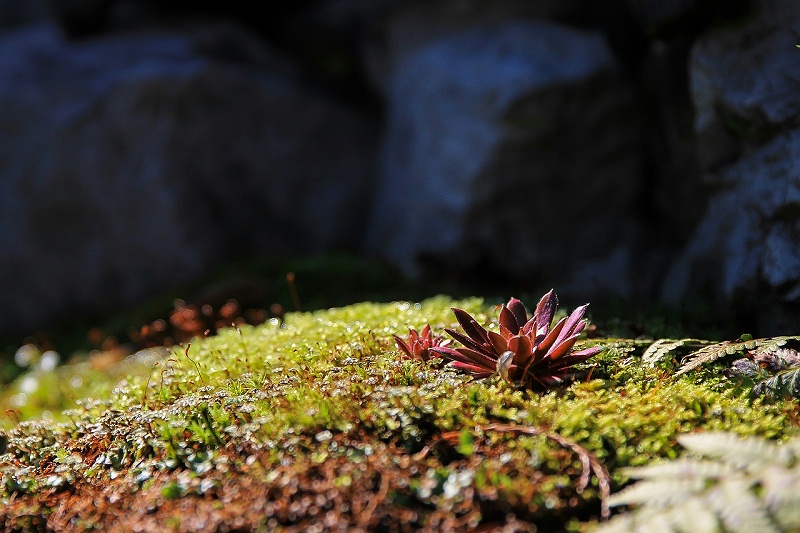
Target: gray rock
(744, 81)
(514, 146)
(403, 27)
(133, 162)
(744, 252)
(746, 246)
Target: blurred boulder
(745, 249)
(744, 81)
(578, 143)
(399, 28)
(135, 161)
(512, 149)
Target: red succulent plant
(418, 345)
(527, 352)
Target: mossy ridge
(269, 402)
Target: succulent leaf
(561, 349)
(508, 322)
(419, 345)
(526, 351)
(552, 337)
(463, 339)
(470, 326)
(498, 343)
(545, 311)
(519, 313)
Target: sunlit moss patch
(319, 419)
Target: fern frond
(622, 523)
(784, 384)
(780, 359)
(680, 469)
(747, 452)
(778, 482)
(738, 508)
(787, 515)
(660, 493)
(693, 516)
(711, 353)
(787, 357)
(663, 347)
(659, 522)
(781, 492)
(737, 485)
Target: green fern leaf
(772, 344)
(738, 485)
(663, 347)
(679, 469)
(784, 384)
(661, 493)
(739, 509)
(781, 492)
(662, 520)
(748, 452)
(711, 353)
(622, 523)
(694, 516)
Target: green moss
(330, 388)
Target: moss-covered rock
(318, 419)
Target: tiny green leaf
(171, 491)
(466, 443)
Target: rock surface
(400, 32)
(478, 162)
(744, 82)
(593, 145)
(745, 249)
(134, 162)
(747, 243)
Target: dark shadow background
(202, 150)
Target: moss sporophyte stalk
(367, 417)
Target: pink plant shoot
(418, 345)
(527, 352)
